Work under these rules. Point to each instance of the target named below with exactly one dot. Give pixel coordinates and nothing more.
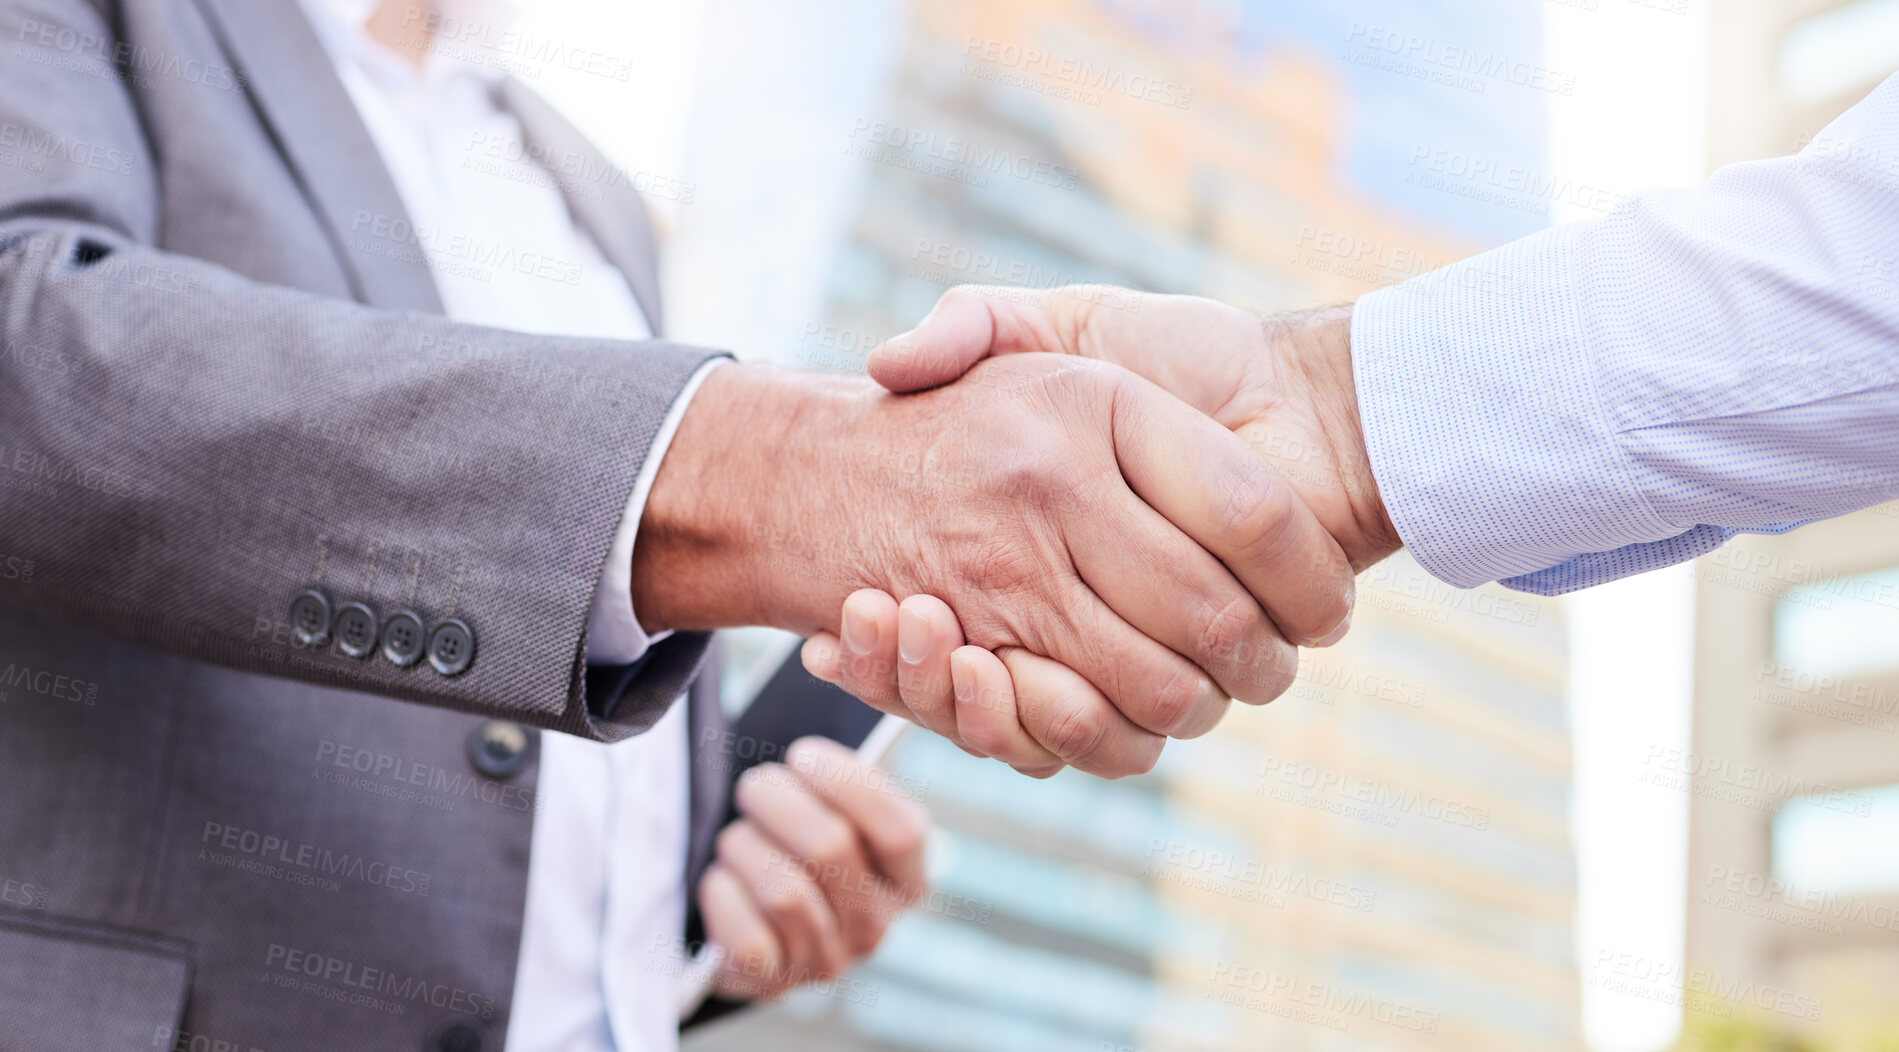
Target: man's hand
(1286, 386)
(1055, 504)
(808, 881)
(1283, 384)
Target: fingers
(827, 849)
(823, 657)
(927, 631)
(1211, 485)
(863, 661)
(965, 688)
(754, 962)
(1156, 689)
(894, 827)
(1061, 720)
(1185, 600)
(907, 671)
(986, 714)
(957, 334)
(807, 932)
(1074, 721)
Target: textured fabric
(462, 165)
(1618, 395)
(224, 377)
(80, 988)
(250, 441)
(607, 874)
(614, 633)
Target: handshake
(1106, 523)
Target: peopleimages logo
(1697, 988)
(940, 154)
(1383, 798)
(1325, 999)
(1456, 64)
(49, 684)
(270, 850)
(396, 991)
(1248, 878)
(1085, 77)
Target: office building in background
(1382, 858)
(1793, 897)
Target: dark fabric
(80, 987)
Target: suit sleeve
(184, 451)
(1621, 394)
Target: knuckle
(1175, 703)
(1077, 732)
(1258, 514)
(984, 737)
(1224, 636)
(1005, 566)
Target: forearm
(741, 526)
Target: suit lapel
(605, 206)
(315, 124)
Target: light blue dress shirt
(1618, 395)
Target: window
(1843, 626)
(1823, 848)
(1846, 48)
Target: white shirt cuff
(1487, 434)
(614, 635)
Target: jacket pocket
(73, 985)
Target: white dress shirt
(1617, 395)
(606, 894)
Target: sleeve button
(355, 630)
(310, 618)
(451, 647)
(403, 639)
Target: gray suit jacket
(224, 382)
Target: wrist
(1320, 352)
(733, 533)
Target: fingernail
(860, 631)
(913, 636)
(962, 680)
(1337, 633)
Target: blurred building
(1382, 859)
(1793, 904)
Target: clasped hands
(1107, 516)
(1216, 527)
